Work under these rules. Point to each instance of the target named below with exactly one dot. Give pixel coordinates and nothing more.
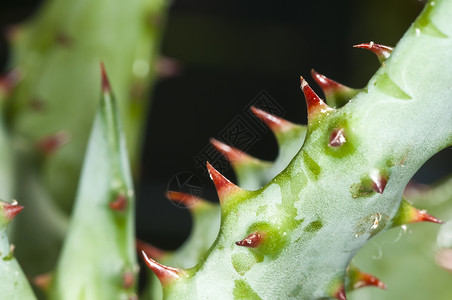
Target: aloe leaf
(98, 259)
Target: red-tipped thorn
(337, 138)
(119, 204)
(365, 279)
(150, 250)
(328, 86)
(50, 144)
(128, 279)
(234, 155)
(104, 78)
(383, 52)
(276, 124)
(409, 214)
(10, 80)
(379, 181)
(223, 186)
(314, 103)
(423, 216)
(188, 200)
(165, 274)
(11, 210)
(43, 281)
(167, 67)
(254, 240)
(340, 294)
(11, 33)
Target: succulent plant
(289, 229)
(296, 236)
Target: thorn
(9, 80)
(167, 67)
(276, 124)
(11, 33)
(336, 94)
(63, 39)
(383, 52)
(423, 216)
(128, 279)
(408, 214)
(165, 274)
(119, 204)
(337, 138)
(360, 279)
(104, 78)
(50, 144)
(313, 101)
(340, 294)
(253, 240)
(37, 104)
(379, 181)
(188, 200)
(150, 250)
(43, 281)
(233, 155)
(10, 210)
(223, 186)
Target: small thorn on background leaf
(43, 281)
(167, 67)
(104, 79)
(63, 39)
(9, 80)
(128, 279)
(37, 104)
(253, 240)
(337, 138)
(314, 103)
(165, 274)
(11, 210)
(187, 200)
(224, 187)
(120, 203)
(50, 144)
(11, 32)
(150, 250)
(383, 52)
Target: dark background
(229, 52)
